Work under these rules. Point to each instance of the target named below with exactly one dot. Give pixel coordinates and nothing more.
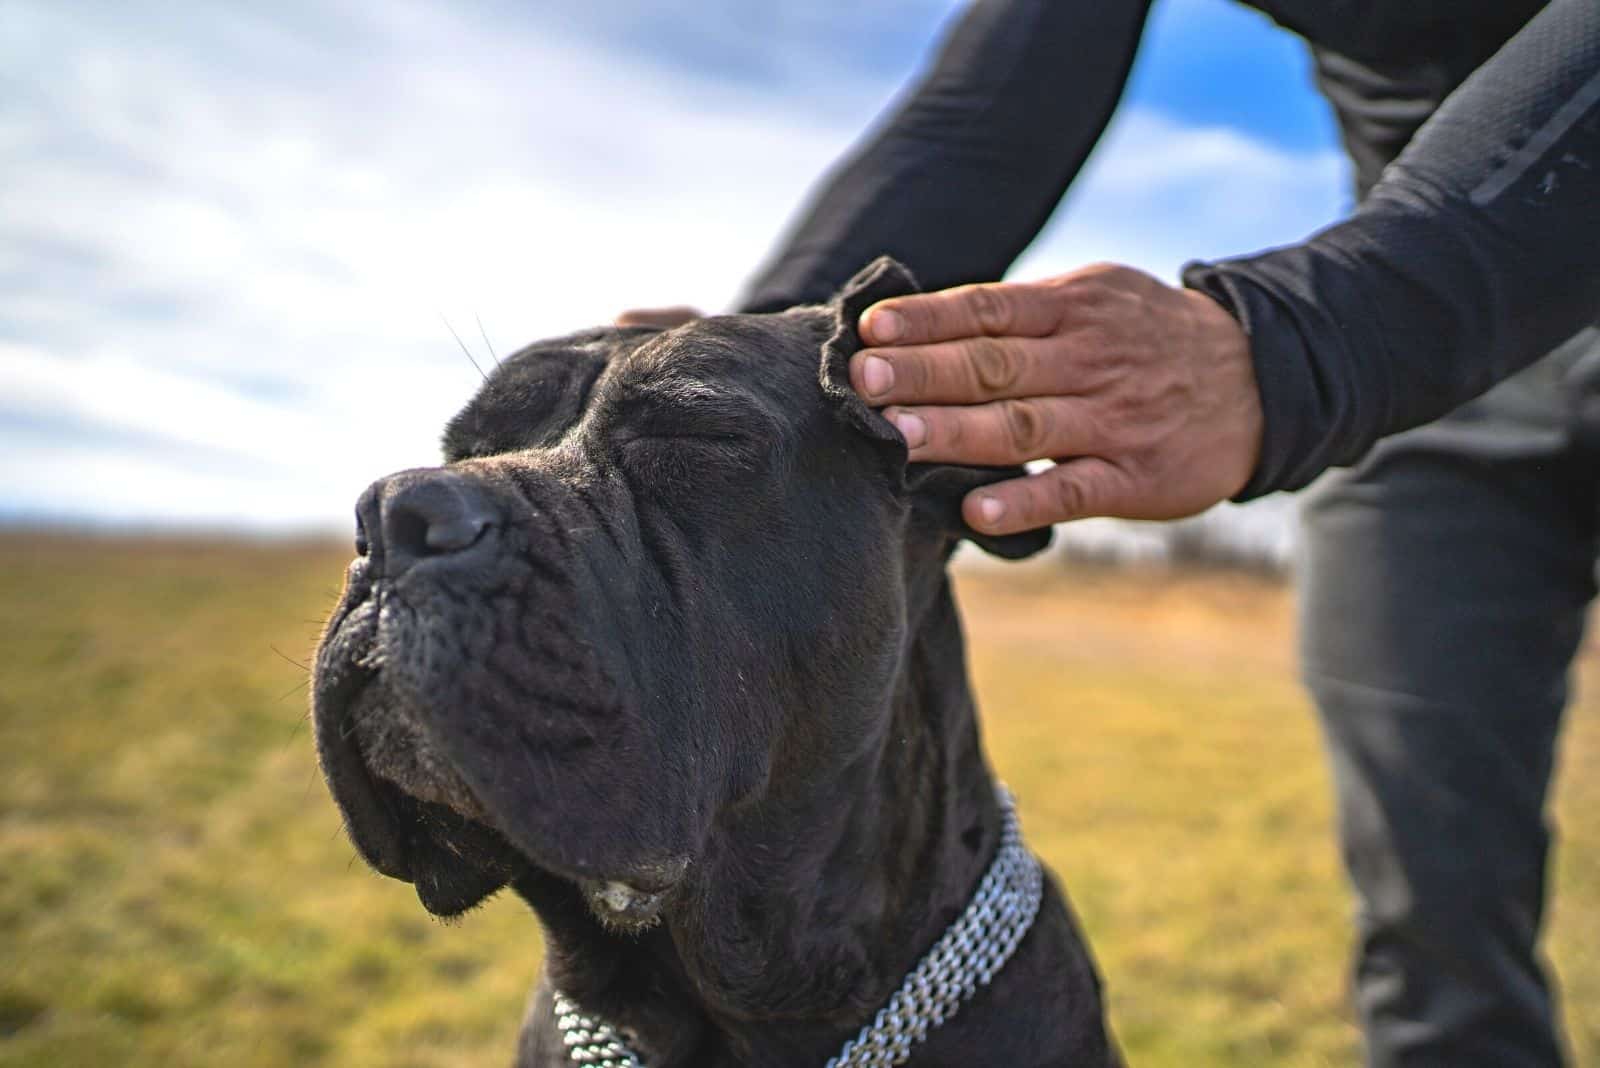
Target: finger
(969, 371)
(676, 315)
(1076, 489)
(994, 309)
(1000, 432)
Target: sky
(232, 235)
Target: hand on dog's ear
(936, 489)
(879, 280)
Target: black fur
(704, 647)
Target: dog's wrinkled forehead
(762, 368)
(722, 375)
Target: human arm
(961, 176)
(1478, 251)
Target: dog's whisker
(294, 729)
(289, 659)
(464, 350)
(486, 342)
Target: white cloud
(226, 238)
(1157, 194)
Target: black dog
(668, 646)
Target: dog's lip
(369, 820)
(649, 879)
(375, 828)
(623, 904)
(637, 899)
(342, 673)
(347, 665)
(388, 826)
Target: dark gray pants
(1446, 580)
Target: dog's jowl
(667, 647)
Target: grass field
(175, 889)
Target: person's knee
(1434, 815)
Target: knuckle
(1113, 276)
(1028, 425)
(1054, 297)
(1093, 432)
(1096, 342)
(1066, 496)
(1108, 290)
(1100, 359)
(995, 365)
(1085, 300)
(990, 308)
(1129, 409)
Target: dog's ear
(936, 489)
(881, 279)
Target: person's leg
(1444, 598)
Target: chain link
(590, 1041)
(964, 960)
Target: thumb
(1075, 489)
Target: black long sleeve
(1477, 251)
(963, 175)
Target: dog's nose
(420, 514)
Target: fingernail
(911, 427)
(991, 510)
(877, 375)
(885, 325)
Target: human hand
(1143, 394)
(676, 315)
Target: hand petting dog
(1143, 394)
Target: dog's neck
(823, 897)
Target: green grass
(175, 889)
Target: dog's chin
(467, 860)
(456, 862)
(636, 903)
(394, 747)
(414, 817)
(421, 832)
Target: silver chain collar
(964, 960)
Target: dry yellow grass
(174, 888)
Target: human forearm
(1477, 252)
(960, 178)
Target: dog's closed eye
(687, 411)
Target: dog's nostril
(431, 513)
(454, 534)
(419, 533)
(362, 545)
(423, 521)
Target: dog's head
(659, 572)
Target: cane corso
(668, 647)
